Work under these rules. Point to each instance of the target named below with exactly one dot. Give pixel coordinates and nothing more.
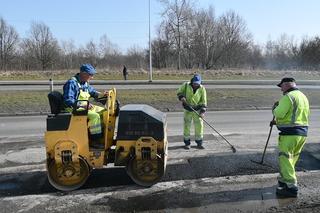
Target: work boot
(281, 184)
(286, 191)
(186, 147)
(186, 144)
(199, 144)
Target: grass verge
(16, 102)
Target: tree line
(186, 38)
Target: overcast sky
(125, 22)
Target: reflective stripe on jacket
(292, 113)
(197, 100)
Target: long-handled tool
(265, 147)
(231, 146)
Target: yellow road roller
(134, 136)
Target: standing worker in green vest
(193, 95)
(292, 120)
(76, 91)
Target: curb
(163, 110)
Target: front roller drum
(146, 172)
(66, 178)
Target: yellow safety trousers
(290, 147)
(198, 125)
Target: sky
(126, 22)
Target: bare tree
(91, 53)
(106, 47)
(203, 31)
(234, 40)
(255, 58)
(282, 53)
(176, 14)
(109, 52)
(27, 60)
(287, 52)
(42, 45)
(8, 43)
(309, 54)
(68, 50)
(135, 57)
(161, 50)
(160, 53)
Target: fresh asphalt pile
(217, 160)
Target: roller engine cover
(139, 120)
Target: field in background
(16, 102)
(104, 74)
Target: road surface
(210, 180)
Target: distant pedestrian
(125, 72)
(193, 96)
(292, 120)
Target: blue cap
(196, 79)
(88, 68)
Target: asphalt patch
(179, 198)
(215, 165)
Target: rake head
(233, 149)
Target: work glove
(183, 100)
(202, 111)
(275, 105)
(102, 97)
(90, 106)
(186, 106)
(106, 93)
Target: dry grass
(164, 74)
(165, 100)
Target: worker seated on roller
(76, 93)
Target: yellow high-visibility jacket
(197, 100)
(292, 113)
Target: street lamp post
(150, 53)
